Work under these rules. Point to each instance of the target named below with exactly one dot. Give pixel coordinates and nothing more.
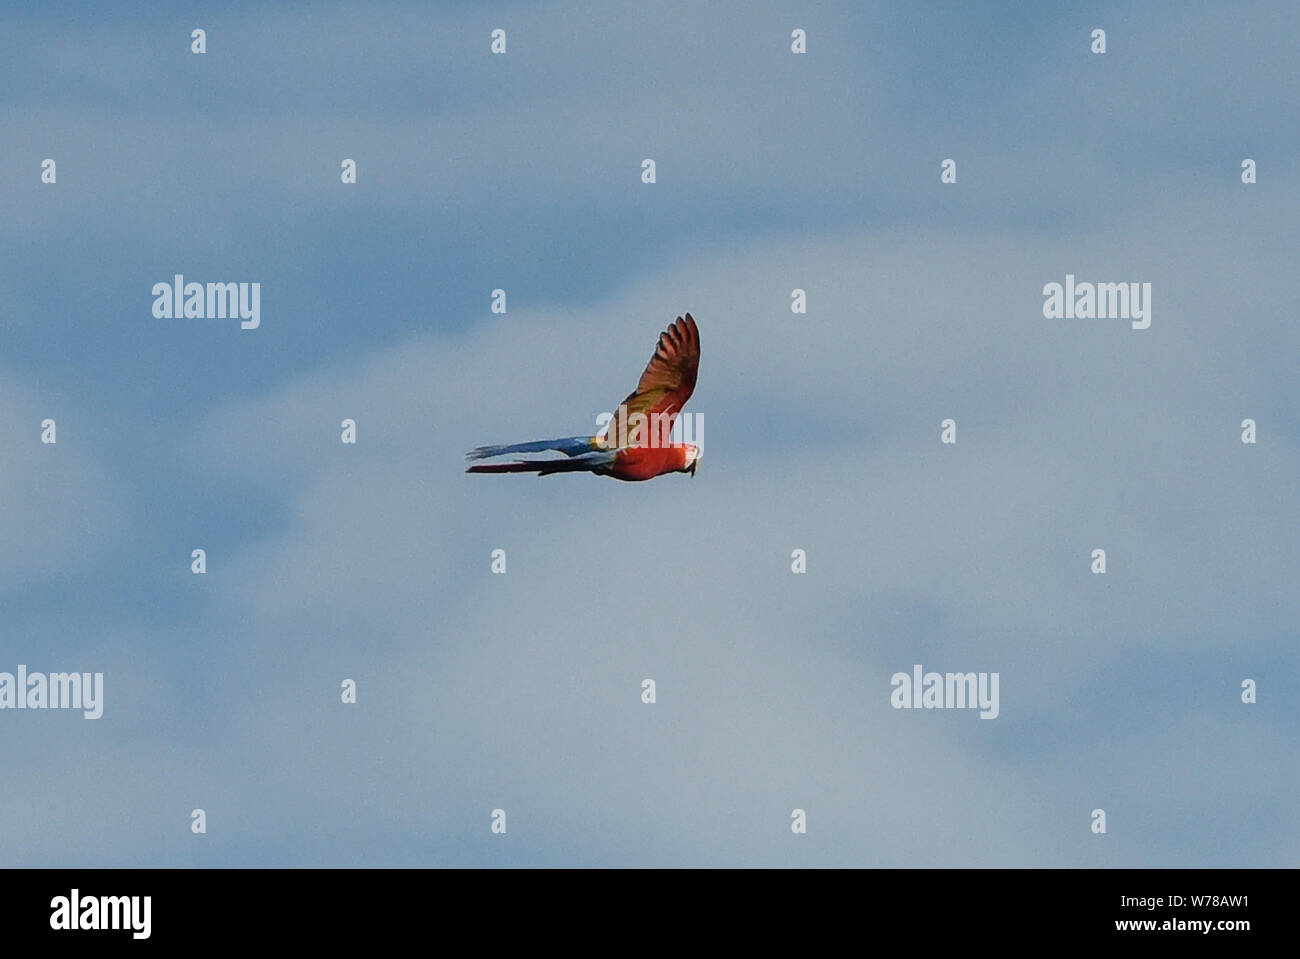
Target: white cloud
(774, 688)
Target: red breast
(647, 462)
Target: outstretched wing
(665, 386)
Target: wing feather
(664, 387)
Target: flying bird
(636, 445)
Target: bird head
(692, 458)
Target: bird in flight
(636, 446)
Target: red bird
(636, 446)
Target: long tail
(588, 462)
(569, 446)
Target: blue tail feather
(595, 462)
(569, 446)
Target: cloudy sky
(522, 691)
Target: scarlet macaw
(636, 445)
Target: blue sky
(522, 691)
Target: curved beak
(693, 467)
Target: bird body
(635, 447)
(647, 462)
